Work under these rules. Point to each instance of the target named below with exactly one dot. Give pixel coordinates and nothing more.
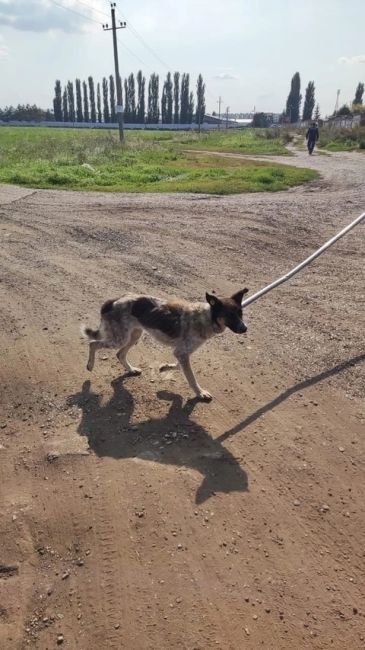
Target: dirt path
(132, 517)
(339, 171)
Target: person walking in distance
(312, 136)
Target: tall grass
(336, 139)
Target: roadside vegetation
(335, 139)
(150, 162)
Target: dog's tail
(92, 335)
(96, 335)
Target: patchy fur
(183, 326)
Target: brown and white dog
(184, 326)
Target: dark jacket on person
(312, 134)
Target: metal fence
(102, 125)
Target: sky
(246, 50)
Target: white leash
(301, 266)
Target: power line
(132, 29)
(132, 54)
(148, 47)
(102, 13)
(142, 40)
(75, 12)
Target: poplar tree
(141, 102)
(71, 102)
(92, 99)
(294, 99)
(79, 113)
(176, 97)
(57, 102)
(98, 104)
(86, 102)
(113, 115)
(105, 101)
(309, 101)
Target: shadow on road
(311, 381)
(174, 439)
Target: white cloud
(352, 60)
(45, 15)
(225, 75)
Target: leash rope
(301, 266)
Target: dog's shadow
(173, 439)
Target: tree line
(83, 102)
(311, 110)
(25, 112)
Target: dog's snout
(242, 329)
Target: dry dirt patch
(132, 517)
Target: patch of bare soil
(132, 516)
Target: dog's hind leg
(184, 362)
(93, 346)
(122, 353)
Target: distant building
(225, 122)
(346, 121)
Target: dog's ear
(237, 297)
(213, 300)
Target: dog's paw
(134, 372)
(204, 396)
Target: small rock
(60, 639)
(52, 456)
(255, 617)
(342, 449)
(296, 502)
(117, 626)
(65, 575)
(3, 425)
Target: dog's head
(227, 312)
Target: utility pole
(219, 102)
(227, 111)
(118, 82)
(337, 102)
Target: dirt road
(132, 517)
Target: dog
(184, 326)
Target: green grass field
(150, 162)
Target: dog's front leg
(184, 362)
